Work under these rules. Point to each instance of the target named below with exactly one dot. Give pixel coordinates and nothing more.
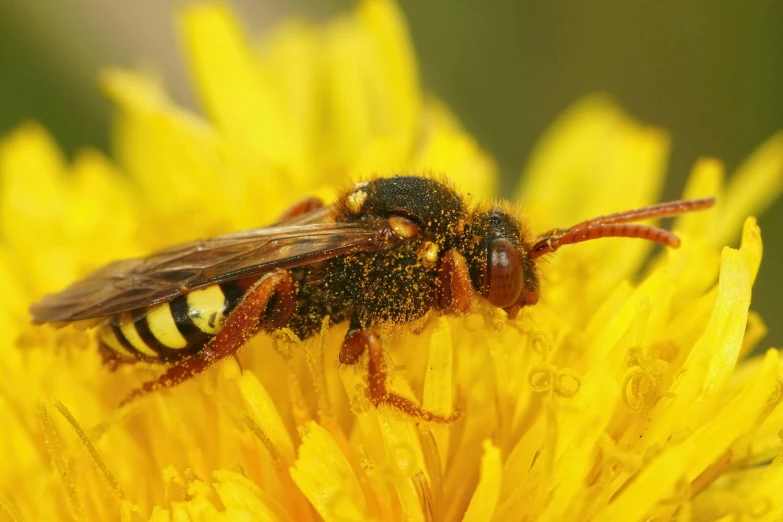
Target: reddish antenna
(616, 225)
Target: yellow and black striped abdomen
(170, 331)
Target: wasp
(386, 253)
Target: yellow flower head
(617, 397)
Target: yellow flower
(614, 398)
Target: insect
(388, 251)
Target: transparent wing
(134, 283)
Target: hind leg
(250, 316)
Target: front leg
(268, 304)
(360, 340)
(454, 289)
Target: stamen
(632, 385)
(681, 494)
(58, 460)
(299, 406)
(11, 509)
(777, 394)
(92, 450)
(711, 474)
(567, 383)
(262, 436)
(319, 382)
(541, 378)
(433, 465)
(425, 495)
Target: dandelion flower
(618, 397)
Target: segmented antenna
(615, 225)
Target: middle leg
(359, 341)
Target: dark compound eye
(503, 275)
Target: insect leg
(111, 358)
(365, 339)
(269, 304)
(300, 208)
(454, 287)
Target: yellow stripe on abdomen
(168, 332)
(206, 309)
(107, 337)
(161, 324)
(128, 329)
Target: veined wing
(134, 283)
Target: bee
(386, 253)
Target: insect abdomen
(170, 331)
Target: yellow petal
(190, 174)
(290, 60)
(485, 498)
(712, 359)
(449, 150)
(349, 121)
(32, 181)
(404, 458)
(592, 161)
(706, 179)
(692, 456)
(243, 499)
(580, 428)
(326, 478)
(437, 396)
(32, 177)
(263, 411)
(755, 185)
(229, 81)
(397, 98)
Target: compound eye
(503, 275)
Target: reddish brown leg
(355, 344)
(299, 209)
(112, 359)
(244, 322)
(454, 287)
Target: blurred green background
(709, 71)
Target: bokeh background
(709, 71)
